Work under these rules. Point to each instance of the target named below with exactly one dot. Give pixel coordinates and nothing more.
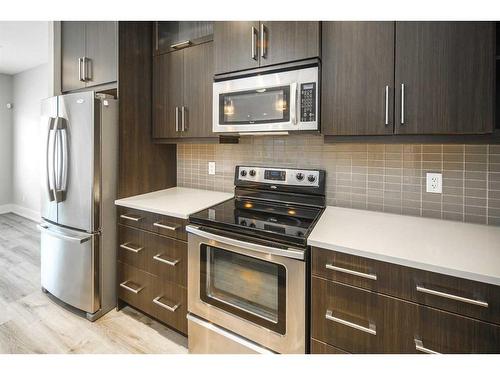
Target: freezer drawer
(69, 266)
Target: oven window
(267, 105)
(251, 288)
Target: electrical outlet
(211, 167)
(434, 183)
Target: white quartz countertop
(469, 251)
(178, 202)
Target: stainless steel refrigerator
(79, 164)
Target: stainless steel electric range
(247, 263)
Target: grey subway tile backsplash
(379, 177)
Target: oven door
(248, 289)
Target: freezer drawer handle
(164, 305)
(45, 228)
(370, 276)
(125, 286)
(131, 217)
(421, 289)
(163, 226)
(130, 247)
(372, 330)
(170, 262)
(419, 346)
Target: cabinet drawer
(169, 304)
(461, 296)
(443, 332)
(161, 224)
(318, 347)
(135, 218)
(167, 258)
(135, 286)
(359, 321)
(132, 247)
(159, 255)
(169, 226)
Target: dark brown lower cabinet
(152, 268)
(318, 347)
(361, 321)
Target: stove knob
(311, 178)
(243, 223)
(252, 225)
(299, 176)
(252, 172)
(243, 173)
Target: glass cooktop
(274, 221)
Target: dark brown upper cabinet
(357, 78)
(445, 77)
(414, 78)
(170, 36)
(89, 54)
(182, 93)
(246, 45)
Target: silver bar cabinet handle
(80, 78)
(262, 40)
(371, 330)
(402, 104)
(125, 286)
(254, 43)
(370, 276)
(84, 63)
(176, 119)
(387, 104)
(163, 226)
(183, 118)
(419, 346)
(131, 218)
(421, 289)
(172, 263)
(185, 43)
(165, 306)
(127, 246)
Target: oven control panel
(279, 176)
(308, 102)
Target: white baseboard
(6, 208)
(21, 211)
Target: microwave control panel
(308, 102)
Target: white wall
(28, 89)
(5, 141)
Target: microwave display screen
(266, 105)
(274, 175)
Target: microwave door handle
(293, 103)
(288, 253)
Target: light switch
(211, 167)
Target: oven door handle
(287, 253)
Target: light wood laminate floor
(31, 322)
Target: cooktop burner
(267, 220)
(279, 205)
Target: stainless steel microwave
(269, 102)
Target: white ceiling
(23, 45)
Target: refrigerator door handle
(62, 164)
(45, 228)
(49, 159)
